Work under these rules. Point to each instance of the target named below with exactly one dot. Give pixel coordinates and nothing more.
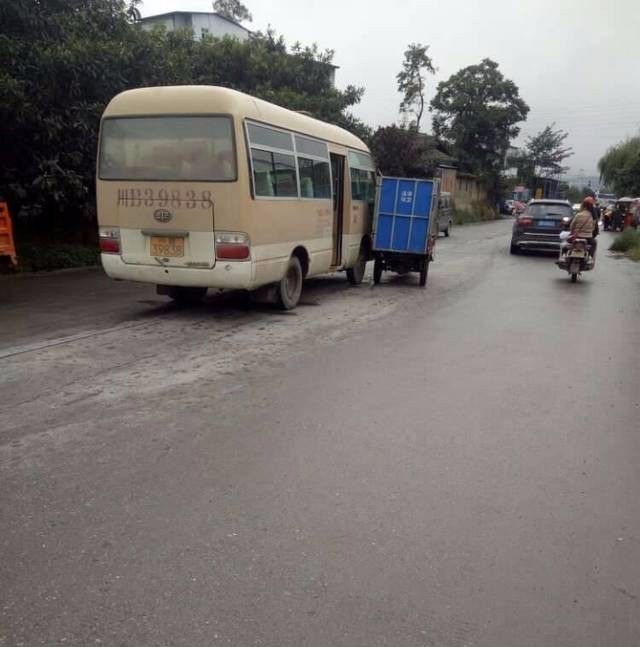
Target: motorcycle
(517, 208)
(575, 256)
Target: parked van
(445, 213)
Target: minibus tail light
(109, 239)
(232, 246)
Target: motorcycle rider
(585, 226)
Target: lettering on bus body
(190, 199)
(324, 223)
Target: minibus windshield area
(168, 148)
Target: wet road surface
(453, 466)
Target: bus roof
(202, 99)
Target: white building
(200, 22)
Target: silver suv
(540, 225)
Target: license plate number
(167, 247)
(577, 253)
(546, 223)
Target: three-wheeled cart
(405, 226)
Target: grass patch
(634, 254)
(38, 258)
(478, 212)
(628, 242)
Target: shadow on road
(236, 302)
(564, 283)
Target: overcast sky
(576, 62)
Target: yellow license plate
(167, 247)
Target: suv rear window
(549, 210)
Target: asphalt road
(457, 466)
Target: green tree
(620, 167)
(61, 61)
(476, 112)
(412, 81)
(403, 152)
(546, 151)
(232, 9)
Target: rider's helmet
(588, 201)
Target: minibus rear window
(186, 149)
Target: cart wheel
(574, 277)
(377, 270)
(424, 270)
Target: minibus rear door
(172, 233)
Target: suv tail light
(232, 246)
(109, 240)
(524, 221)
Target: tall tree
(232, 9)
(403, 152)
(476, 112)
(546, 151)
(412, 81)
(61, 61)
(620, 167)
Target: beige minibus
(205, 187)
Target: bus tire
(355, 274)
(185, 296)
(290, 285)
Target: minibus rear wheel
(290, 286)
(355, 274)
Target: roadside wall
(464, 187)
(468, 191)
(448, 179)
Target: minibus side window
(274, 174)
(313, 167)
(363, 182)
(273, 162)
(315, 178)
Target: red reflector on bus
(232, 252)
(109, 245)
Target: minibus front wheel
(290, 286)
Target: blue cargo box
(403, 211)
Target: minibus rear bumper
(227, 275)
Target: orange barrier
(7, 244)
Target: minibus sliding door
(337, 173)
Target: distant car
(445, 213)
(539, 227)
